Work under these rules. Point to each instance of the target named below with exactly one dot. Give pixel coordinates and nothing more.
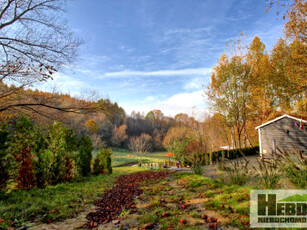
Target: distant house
(284, 133)
(226, 147)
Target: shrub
(22, 146)
(178, 147)
(57, 153)
(107, 161)
(238, 171)
(234, 153)
(294, 166)
(70, 140)
(269, 174)
(43, 167)
(191, 154)
(103, 162)
(85, 155)
(4, 167)
(98, 167)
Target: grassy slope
(55, 202)
(123, 156)
(229, 201)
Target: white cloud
(64, 84)
(195, 83)
(193, 103)
(186, 100)
(149, 98)
(180, 72)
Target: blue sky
(158, 54)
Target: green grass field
(124, 156)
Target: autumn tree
(119, 135)
(215, 132)
(140, 145)
(289, 61)
(294, 12)
(229, 93)
(35, 42)
(176, 140)
(92, 126)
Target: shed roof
(278, 118)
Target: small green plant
(198, 169)
(155, 202)
(148, 217)
(124, 213)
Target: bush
(294, 166)
(103, 162)
(270, 174)
(98, 167)
(191, 154)
(4, 167)
(70, 140)
(22, 146)
(57, 153)
(238, 171)
(85, 155)
(178, 147)
(234, 153)
(43, 167)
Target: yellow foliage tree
(92, 126)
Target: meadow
(121, 157)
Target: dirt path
(77, 222)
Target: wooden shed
(284, 132)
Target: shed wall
(286, 135)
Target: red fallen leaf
(162, 200)
(166, 214)
(213, 220)
(222, 206)
(49, 221)
(204, 216)
(1, 220)
(184, 206)
(183, 221)
(212, 226)
(53, 211)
